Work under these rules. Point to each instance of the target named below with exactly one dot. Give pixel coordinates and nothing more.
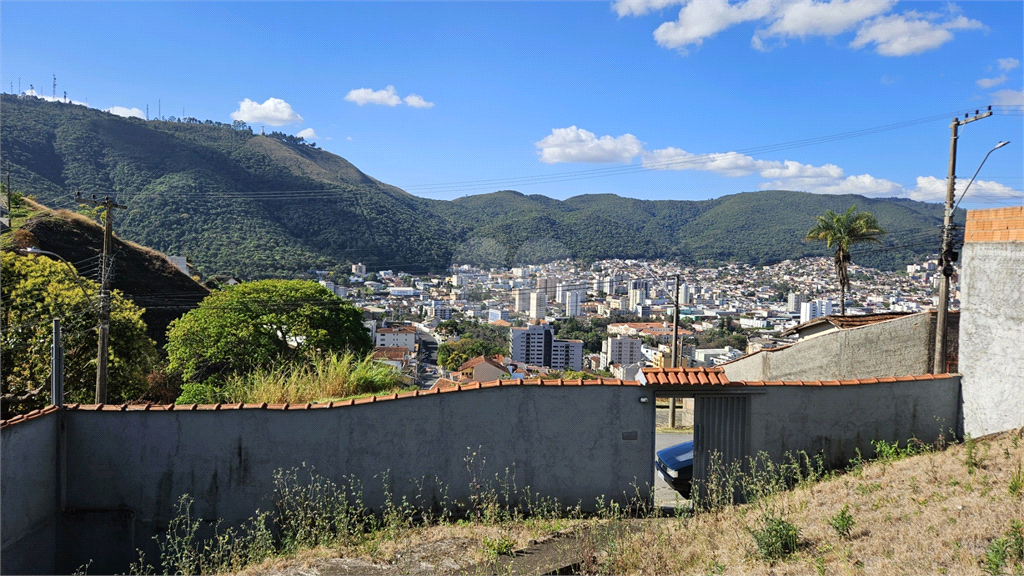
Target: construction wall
(897, 347)
(127, 469)
(992, 316)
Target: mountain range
(258, 206)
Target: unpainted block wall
(29, 497)
(991, 340)
(837, 420)
(126, 470)
(898, 347)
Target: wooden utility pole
(947, 257)
(104, 324)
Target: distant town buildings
(811, 310)
(536, 345)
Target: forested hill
(256, 206)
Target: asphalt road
(664, 495)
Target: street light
(947, 256)
(994, 148)
(74, 273)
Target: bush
(776, 538)
(843, 522)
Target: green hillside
(259, 206)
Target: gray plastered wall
(126, 470)
(991, 340)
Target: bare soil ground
(926, 514)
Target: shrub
(776, 538)
(499, 546)
(843, 522)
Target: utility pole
(675, 351)
(104, 325)
(947, 257)
(57, 367)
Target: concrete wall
(836, 420)
(898, 347)
(127, 470)
(991, 350)
(29, 497)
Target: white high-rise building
(572, 303)
(621, 350)
(536, 345)
(520, 300)
(814, 309)
(538, 305)
(795, 300)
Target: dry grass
(926, 514)
(433, 545)
(922, 515)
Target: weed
(775, 537)
(996, 556)
(500, 546)
(843, 522)
(1016, 481)
(972, 460)
(84, 568)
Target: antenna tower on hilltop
(54, 96)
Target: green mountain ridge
(258, 206)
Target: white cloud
(730, 164)
(273, 112)
(31, 92)
(349, 138)
(1008, 97)
(909, 33)
(890, 34)
(641, 7)
(932, 189)
(704, 18)
(126, 112)
(805, 18)
(386, 97)
(417, 101)
(574, 144)
(990, 82)
(308, 134)
(1007, 64)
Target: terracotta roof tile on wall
(453, 387)
(686, 376)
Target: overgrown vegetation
(322, 378)
(915, 516)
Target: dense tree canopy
(261, 324)
(36, 290)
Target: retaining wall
(127, 469)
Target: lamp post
(947, 256)
(74, 273)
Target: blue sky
(653, 99)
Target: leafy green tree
(260, 325)
(451, 355)
(840, 231)
(37, 289)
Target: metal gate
(721, 424)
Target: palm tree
(840, 231)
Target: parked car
(675, 466)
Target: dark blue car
(675, 466)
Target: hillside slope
(256, 206)
(144, 276)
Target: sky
(651, 99)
